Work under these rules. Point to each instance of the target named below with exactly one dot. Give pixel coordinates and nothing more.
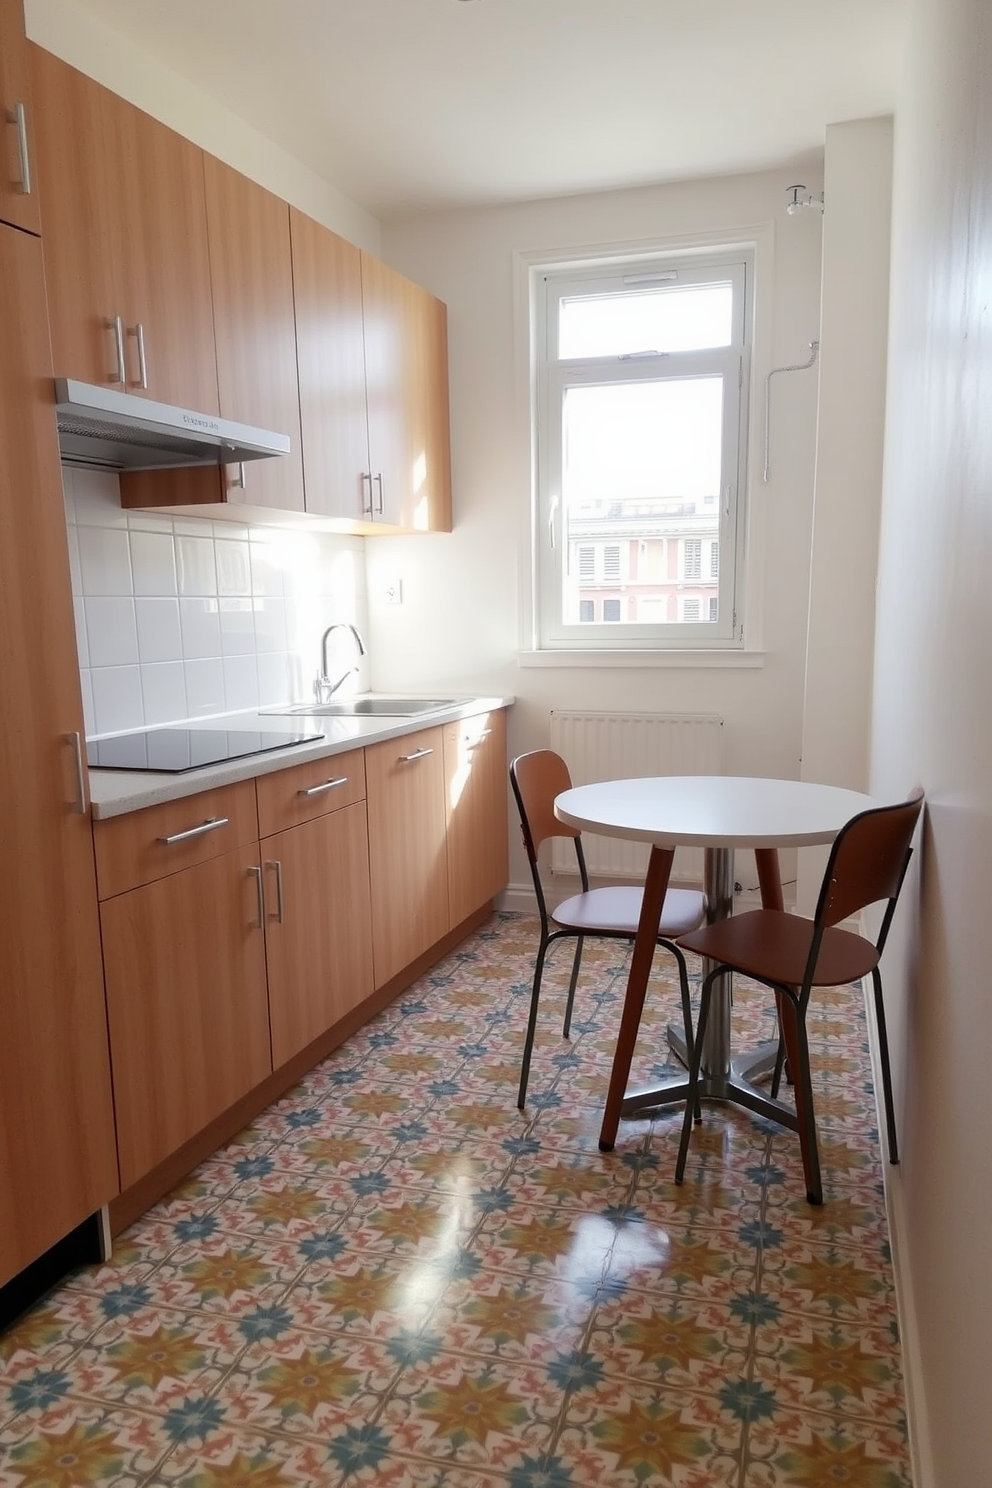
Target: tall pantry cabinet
(58, 1159)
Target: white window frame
(553, 377)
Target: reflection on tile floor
(395, 1278)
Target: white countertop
(115, 792)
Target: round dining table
(718, 813)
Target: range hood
(103, 428)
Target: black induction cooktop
(172, 750)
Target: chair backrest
(536, 779)
(868, 861)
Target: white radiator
(625, 746)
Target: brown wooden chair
(609, 913)
(792, 954)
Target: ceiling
(412, 105)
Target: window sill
(731, 660)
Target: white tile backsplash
(180, 619)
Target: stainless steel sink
(371, 707)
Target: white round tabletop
(712, 810)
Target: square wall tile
(104, 561)
(159, 634)
(117, 701)
(237, 627)
(200, 622)
(111, 636)
(97, 499)
(196, 566)
(233, 568)
(204, 687)
(163, 688)
(153, 562)
(240, 682)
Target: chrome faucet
(323, 687)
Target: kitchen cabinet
(123, 212)
(58, 1161)
(18, 194)
(373, 370)
(407, 854)
(182, 917)
(475, 780)
(318, 925)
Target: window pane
(641, 474)
(689, 318)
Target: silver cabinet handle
(210, 825)
(117, 326)
(139, 334)
(259, 923)
(378, 480)
(241, 479)
(366, 509)
(325, 785)
(16, 117)
(277, 869)
(417, 754)
(76, 740)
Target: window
(639, 426)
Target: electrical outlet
(392, 591)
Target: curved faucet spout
(324, 688)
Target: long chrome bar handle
(211, 825)
(417, 754)
(276, 867)
(366, 476)
(16, 117)
(260, 922)
(117, 326)
(139, 334)
(82, 805)
(325, 785)
(378, 480)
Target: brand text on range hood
(111, 430)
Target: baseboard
(917, 1420)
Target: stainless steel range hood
(103, 428)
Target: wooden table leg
(770, 882)
(645, 942)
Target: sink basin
(371, 707)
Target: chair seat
(774, 945)
(617, 910)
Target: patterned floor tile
(395, 1278)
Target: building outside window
(639, 424)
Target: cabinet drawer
(303, 792)
(133, 850)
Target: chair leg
(807, 1135)
(535, 995)
(690, 1042)
(692, 1108)
(576, 962)
(779, 1065)
(883, 1054)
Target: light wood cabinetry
(58, 1162)
(184, 958)
(475, 779)
(124, 217)
(318, 930)
(407, 855)
(373, 365)
(18, 192)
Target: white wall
(933, 712)
(78, 38)
(180, 619)
(460, 623)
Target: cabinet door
(18, 194)
(78, 180)
(475, 772)
(58, 1161)
(251, 274)
(318, 928)
(407, 861)
(327, 283)
(186, 1001)
(407, 395)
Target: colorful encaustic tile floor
(393, 1277)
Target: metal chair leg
(692, 1108)
(883, 1054)
(779, 1066)
(690, 1041)
(576, 962)
(535, 995)
(814, 1190)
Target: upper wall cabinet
(251, 272)
(18, 193)
(127, 266)
(373, 364)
